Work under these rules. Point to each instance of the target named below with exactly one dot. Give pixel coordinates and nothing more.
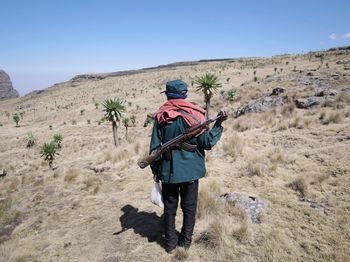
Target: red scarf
(168, 112)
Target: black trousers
(188, 192)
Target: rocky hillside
(6, 89)
(277, 186)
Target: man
(180, 169)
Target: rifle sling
(184, 146)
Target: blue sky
(45, 42)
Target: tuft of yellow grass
(207, 198)
(71, 175)
(181, 254)
(93, 183)
(288, 109)
(299, 185)
(234, 145)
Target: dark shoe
(170, 250)
(183, 243)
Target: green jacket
(183, 166)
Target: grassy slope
(71, 213)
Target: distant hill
(184, 63)
(6, 89)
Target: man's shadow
(146, 224)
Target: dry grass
(181, 254)
(234, 145)
(262, 156)
(254, 168)
(288, 109)
(298, 123)
(327, 118)
(207, 199)
(241, 125)
(92, 184)
(334, 117)
(224, 229)
(6, 213)
(299, 185)
(71, 175)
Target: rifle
(177, 141)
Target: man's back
(181, 165)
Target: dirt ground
(94, 205)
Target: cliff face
(6, 89)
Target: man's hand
(156, 178)
(223, 117)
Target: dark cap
(175, 87)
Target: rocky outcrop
(266, 103)
(6, 89)
(322, 97)
(309, 101)
(251, 205)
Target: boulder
(266, 103)
(6, 89)
(251, 205)
(309, 101)
(325, 92)
(323, 96)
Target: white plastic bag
(156, 195)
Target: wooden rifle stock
(176, 141)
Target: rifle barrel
(180, 137)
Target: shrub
(133, 119)
(57, 139)
(113, 109)
(208, 84)
(126, 122)
(49, 152)
(231, 94)
(82, 111)
(16, 118)
(30, 139)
